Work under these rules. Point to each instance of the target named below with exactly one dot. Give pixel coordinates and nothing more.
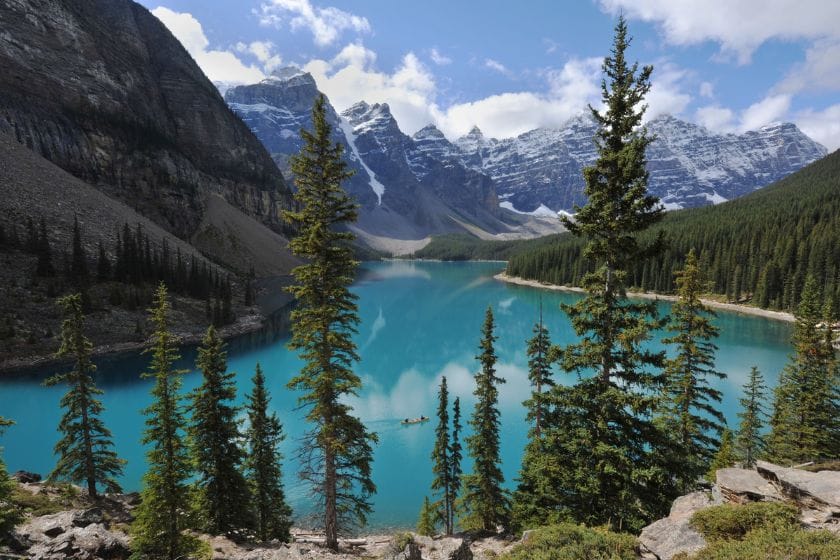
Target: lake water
(420, 320)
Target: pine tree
(165, 498)
(806, 406)
(44, 252)
(426, 524)
(750, 442)
(9, 514)
(337, 451)
(222, 493)
(691, 416)
(441, 463)
(484, 501)
(78, 262)
(724, 457)
(604, 426)
(103, 265)
(85, 451)
(535, 501)
(265, 475)
(539, 373)
(455, 456)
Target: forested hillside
(758, 249)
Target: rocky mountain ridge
(538, 172)
(405, 194)
(689, 165)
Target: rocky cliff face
(102, 89)
(278, 108)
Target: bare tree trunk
(330, 509)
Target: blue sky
(508, 67)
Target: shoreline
(24, 365)
(712, 304)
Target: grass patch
(788, 543)
(759, 531)
(733, 522)
(568, 541)
(36, 504)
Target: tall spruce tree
(539, 373)
(223, 500)
(455, 456)
(9, 514)
(44, 251)
(750, 442)
(337, 452)
(85, 451)
(78, 261)
(691, 415)
(535, 501)
(604, 427)
(806, 406)
(264, 465)
(441, 460)
(484, 502)
(165, 499)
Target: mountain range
(537, 173)
(405, 195)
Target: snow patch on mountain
(350, 135)
(542, 211)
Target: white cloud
(707, 90)
(714, 117)
(666, 96)
(770, 109)
(496, 66)
(325, 24)
(438, 58)
(740, 27)
(351, 76)
(551, 46)
(264, 52)
(823, 126)
(218, 65)
(819, 72)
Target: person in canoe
(415, 420)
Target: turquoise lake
(419, 321)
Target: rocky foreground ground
(815, 494)
(84, 530)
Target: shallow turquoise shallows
(419, 321)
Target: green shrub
(401, 540)
(36, 504)
(779, 542)
(568, 541)
(735, 521)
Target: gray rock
(411, 552)
(742, 486)
(53, 531)
(88, 516)
(444, 548)
(26, 477)
(667, 537)
(819, 490)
